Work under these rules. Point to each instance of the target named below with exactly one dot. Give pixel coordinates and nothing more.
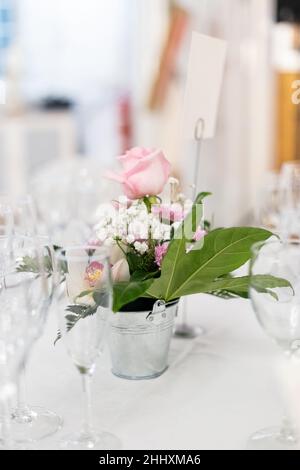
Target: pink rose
(145, 172)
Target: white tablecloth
(219, 388)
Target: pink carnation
(160, 252)
(173, 212)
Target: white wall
(232, 163)
(73, 47)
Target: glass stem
(87, 404)
(21, 389)
(7, 441)
(287, 431)
(184, 311)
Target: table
(219, 388)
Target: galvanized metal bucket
(139, 341)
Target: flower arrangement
(160, 250)
(167, 250)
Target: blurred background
(81, 82)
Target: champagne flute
(32, 423)
(6, 229)
(25, 299)
(6, 388)
(267, 210)
(6, 216)
(84, 293)
(25, 216)
(35, 422)
(289, 200)
(278, 313)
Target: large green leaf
(177, 249)
(126, 292)
(223, 251)
(239, 286)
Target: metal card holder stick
(198, 136)
(183, 329)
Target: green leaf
(126, 292)
(261, 281)
(101, 298)
(77, 309)
(161, 287)
(239, 286)
(84, 293)
(29, 264)
(144, 275)
(201, 196)
(58, 337)
(78, 312)
(32, 265)
(264, 284)
(223, 251)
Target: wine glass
(289, 200)
(6, 229)
(24, 302)
(84, 293)
(6, 216)
(25, 216)
(278, 313)
(7, 389)
(31, 422)
(267, 210)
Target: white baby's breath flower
(141, 247)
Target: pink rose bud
(145, 172)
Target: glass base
(93, 441)
(183, 330)
(143, 377)
(34, 423)
(273, 438)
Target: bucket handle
(159, 308)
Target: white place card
(203, 85)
